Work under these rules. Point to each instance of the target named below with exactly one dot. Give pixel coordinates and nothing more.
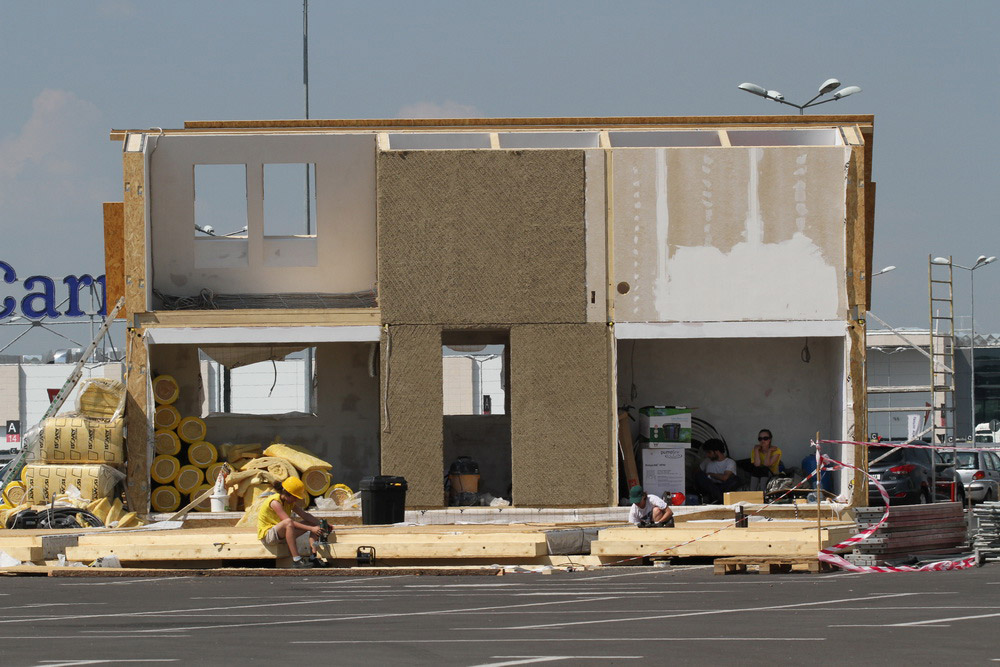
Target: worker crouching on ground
(648, 510)
(275, 523)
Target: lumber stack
(910, 530)
(703, 538)
(987, 538)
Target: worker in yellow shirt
(275, 523)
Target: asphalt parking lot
(611, 616)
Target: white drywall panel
(549, 139)
(743, 385)
(342, 257)
(438, 140)
(729, 234)
(595, 216)
(783, 329)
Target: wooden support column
(858, 261)
(137, 438)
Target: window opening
(220, 201)
(290, 200)
(258, 379)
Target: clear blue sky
(74, 69)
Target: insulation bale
(280, 468)
(213, 470)
(341, 494)
(165, 389)
(166, 417)
(93, 481)
(101, 398)
(164, 469)
(232, 453)
(13, 493)
(188, 478)
(316, 480)
(206, 504)
(166, 442)
(74, 440)
(298, 456)
(202, 453)
(192, 429)
(165, 499)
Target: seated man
(648, 510)
(717, 473)
(275, 524)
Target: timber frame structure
(556, 236)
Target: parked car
(906, 476)
(980, 473)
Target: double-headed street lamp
(981, 261)
(828, 87)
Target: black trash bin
(383, 500)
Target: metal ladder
(942, 351)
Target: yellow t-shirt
(267, 517)
(774, 455)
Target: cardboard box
(733, 497)
(665, 423)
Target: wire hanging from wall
(805, 354)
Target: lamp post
(828, 87)
(981, 261)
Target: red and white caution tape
(828, 556)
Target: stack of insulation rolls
(83, 449)
(185, 464)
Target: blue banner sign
(40, 298)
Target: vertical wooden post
(819, 490)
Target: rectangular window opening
(220, 201)
(290, 200)
(258, 380)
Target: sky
(75, 69)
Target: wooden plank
(26, 553)
(137, 445)
(261, 317)
(627, 449)
(857, 303)
(713, 548)
(114, 252)
(134, 233)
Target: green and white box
(665, 423)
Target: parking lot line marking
(73, 663)
(365, 617)
(532, 659)
(529, 640)
(697, 613)
(649, 574)
(141, 580)
(940, 620)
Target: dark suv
(906, 476)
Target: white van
(988, 433)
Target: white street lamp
(826, 88)
(980, 262)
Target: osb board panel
(597, 229)
(560, 407)
(114, 252)
(412, 444)
(136, 422)
(692, 223)
(481, 236)
(133, 168)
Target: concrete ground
(615, 615)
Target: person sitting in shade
(765, 461)
(276, 525)
(648, 510)
(717, 473)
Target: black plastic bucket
(383, 500)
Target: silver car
(980, 473)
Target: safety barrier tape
(828, 556)
(912, 445)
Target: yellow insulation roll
(192, 429)
(298, 456)
(166, 442)
(13, 493)
(165, 499)
(166, 417)
(165, 389)
(75, 440)
(164, 469)
(212, 472)
(202, 453)
(206, 504)
(188, 478)
(339, 493)
(317, 481)
(101, 398)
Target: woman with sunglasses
(765, 460)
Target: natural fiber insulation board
(690, 223)
(412, 443)
(560, 414)
(481, 236)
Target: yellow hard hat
(295, 487)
